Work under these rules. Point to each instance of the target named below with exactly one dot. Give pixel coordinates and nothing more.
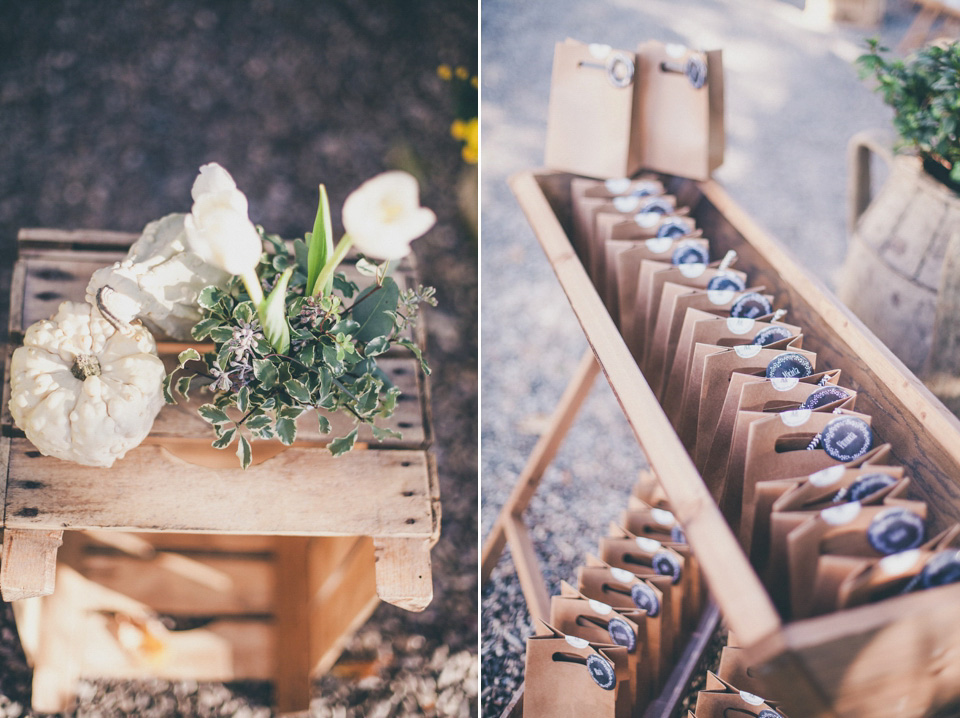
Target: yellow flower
(458, 130)
(473, 82)
(444, 72)
(471, 138)
(462, 73)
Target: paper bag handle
(859, 191)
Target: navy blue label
(940, 570)
(645, 598)
(689, 253)
(789, 366)
(895, 530)
(823, 396)
(677, 535)
(601, 671)
(672, 228)
(847, 439)
(666, 564)
(751, 305)
(696, 71)
(771, 335)
(721, 282)
(867, 486)
(621, 634)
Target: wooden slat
(732, 581)
(292, 660)
(299, 492)
(403, 572)
(29, 563)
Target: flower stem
(326, 273)
(252, 282)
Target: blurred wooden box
(864, 13)
(899, 657)
(295, 551)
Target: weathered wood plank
(292, 659)
(403, 571)
(29, 563)
(299, 492)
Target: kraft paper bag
(588, 194)
(649, 490)
(709, 325)
(682, 130)
(574, 614)
(626, 591)
(721, 699)
(571, 677)
(661, 525)
(776, 448)
(849, 530)
(636, 250)
(648, 558)
(710, 370)
(592, 126)
(754, 392)
(627, 272)
(736, 671)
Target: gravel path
(792, 102)
(107, 110)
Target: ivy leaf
(298, 390)
(273, 315)
(286, 430)
(244, 453)
(324, 423)
(372, 308)
(210, 297)
(416, 352)
(183, 385)
(187, 355)
(377, 346)
(221, 334)
(167, 393)
(258, 422)
(380, 433)
(344, 286)
(243, 312)
(320, 248)
(226, 438)
(291, 412)
(306, 355)
(333, 358)
(213, 415)
(367, 268)
(266, 373)
(343, 444)
(301, 253)
(201, 330)
(243, 399)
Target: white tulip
(383, 215)
(218, 228)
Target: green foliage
(326, 366)
(924, 92)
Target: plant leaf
(266, 373)
(298, 390)
(416, 352)
(343, 444)
(243, 399)
(256, 423)
(201, 330)
(213, 415)
(186, 355)
(373, 309)
(286, 430)
(209, 297)
(324, 423)
(226, 438)
(380, 433)
(376, 346)
(320, 247)
(244, 453)
(183, 385)
(273, 315)
(167, 393)
(221, 334)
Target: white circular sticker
(721, 296)
(740, 325)
(675, 51)
(648, 545)
(621, 575)
(751, 698)
(795, 417)
(897, 563)
(692, 269)
(599, 50)
(746, 351)
(784, 383)
(842, 514)
(577, 642)
(627, 203)
(599, 607)
(828, 476)
(658, 245)
(663, 517)
(647, 219)
(618, 185)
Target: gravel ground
(793, 100)
(107, 109)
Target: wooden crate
(295, 551)
(899, 657)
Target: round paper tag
(577, 642)
(657, 205)
(896, 563)
(672, 228)
(842, 514)
(691, 271)
(663, 517)
(751, 698)
(621, 634)
(825, 395)
(601, 672)
(666, 564)
(789, 366)
(690, 253)
(677, 535)
(599, 607)
(747, 351)
(618, 185)
(847, 438)
(751, 304)
(675, 51)
(626, 203)
(828, 476)
(740, 325)
(646, 219)
(599, 50)
(644, 189)
(942, 569)
(771, 335)
(658, 246)
(795, 417)
(648, 545)
(767, 713)
(867, 486)
(895, 530)
(645, 598)
(696, 71)
(621, 575)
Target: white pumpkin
(159, 281)
(83, 391)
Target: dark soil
(107, 109)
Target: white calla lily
(383, 215)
